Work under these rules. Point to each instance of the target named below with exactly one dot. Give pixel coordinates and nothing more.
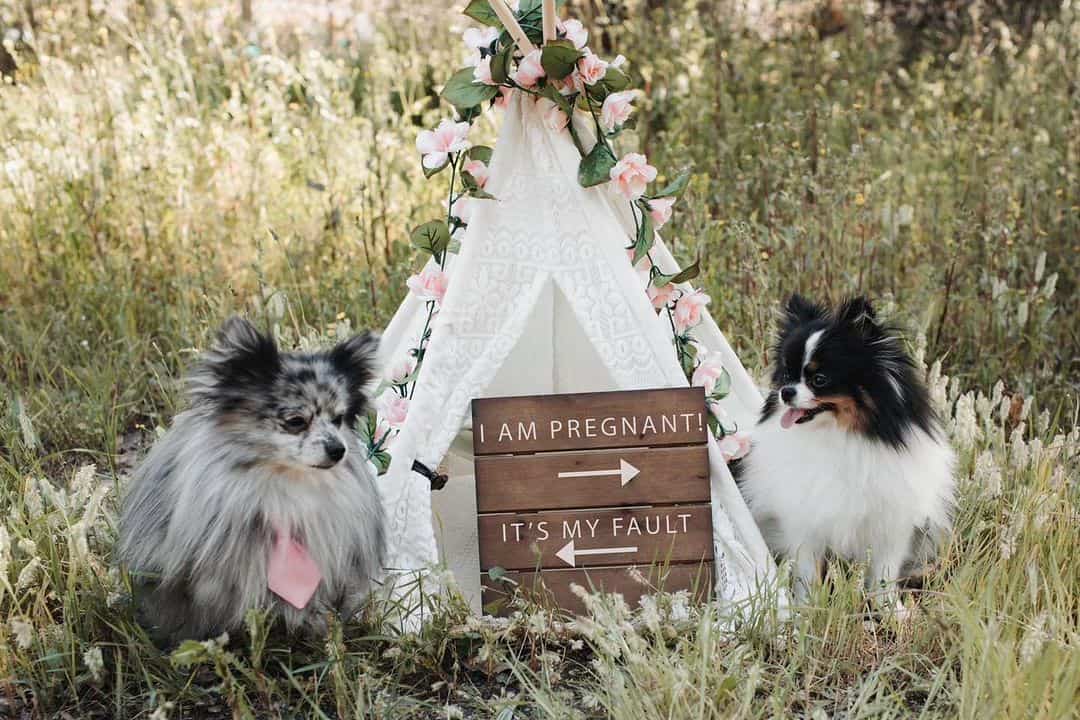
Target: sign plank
(556, 481)
(581, 538)
(553, 586)
(636, 418)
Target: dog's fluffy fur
(847, 458)
(268, 440)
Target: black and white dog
(259, 495)
(847, 458)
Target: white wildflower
(95, 663)
(29, 574)
(680, 606)
(965, 425)
(987, 475)
(1050, 286)
(5, 551)
(453, 712)
(82, 484)
(1019, 452)
(1042, 423)
(26, 426)
(27, 546)
(1034, 638)
(904, 215)
(23, 632)
(161, 712)
(32, 502)
(1009, 536)
(650, 613)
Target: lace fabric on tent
(544, 228)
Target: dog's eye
(819, 380)
(296, 423)
(337, 420)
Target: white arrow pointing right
(568, 554)
(626, 472)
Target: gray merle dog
(262, 480)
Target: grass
(164, 168)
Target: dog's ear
(859, 314)
(240, 359)
(354, 359)
(797, 311)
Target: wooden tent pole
(549, 21)
(511, 24)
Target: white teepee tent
(542, 299)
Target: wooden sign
(582, 488)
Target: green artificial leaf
(431, 237)
(428, 172)
(500, 64)
(645, 237)
(615, 80)
(530, 16)
(687, 357)
(686, 274)
(595, 168)
(479, 152)
(552, 93)
(722, 386)
(381, 460)
(496, 573)
(676, 186)
(463, 92)
(480, 194)
(481, 12)
(559, 57)
(483, 154)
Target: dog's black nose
(335, 450)
(787, 393)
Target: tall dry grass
(164, 165)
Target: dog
(848, 458)
(259, 495)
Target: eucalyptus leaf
(595, 168)
(559, 57)
(676, 186)
(431, 237)
(481, 12)
(463, 92)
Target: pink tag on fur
(291, 573)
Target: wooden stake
(512, 27)
(549, 21)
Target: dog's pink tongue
(790, 417)
(291, 573)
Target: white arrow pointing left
(626, 472)
(568, 554)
